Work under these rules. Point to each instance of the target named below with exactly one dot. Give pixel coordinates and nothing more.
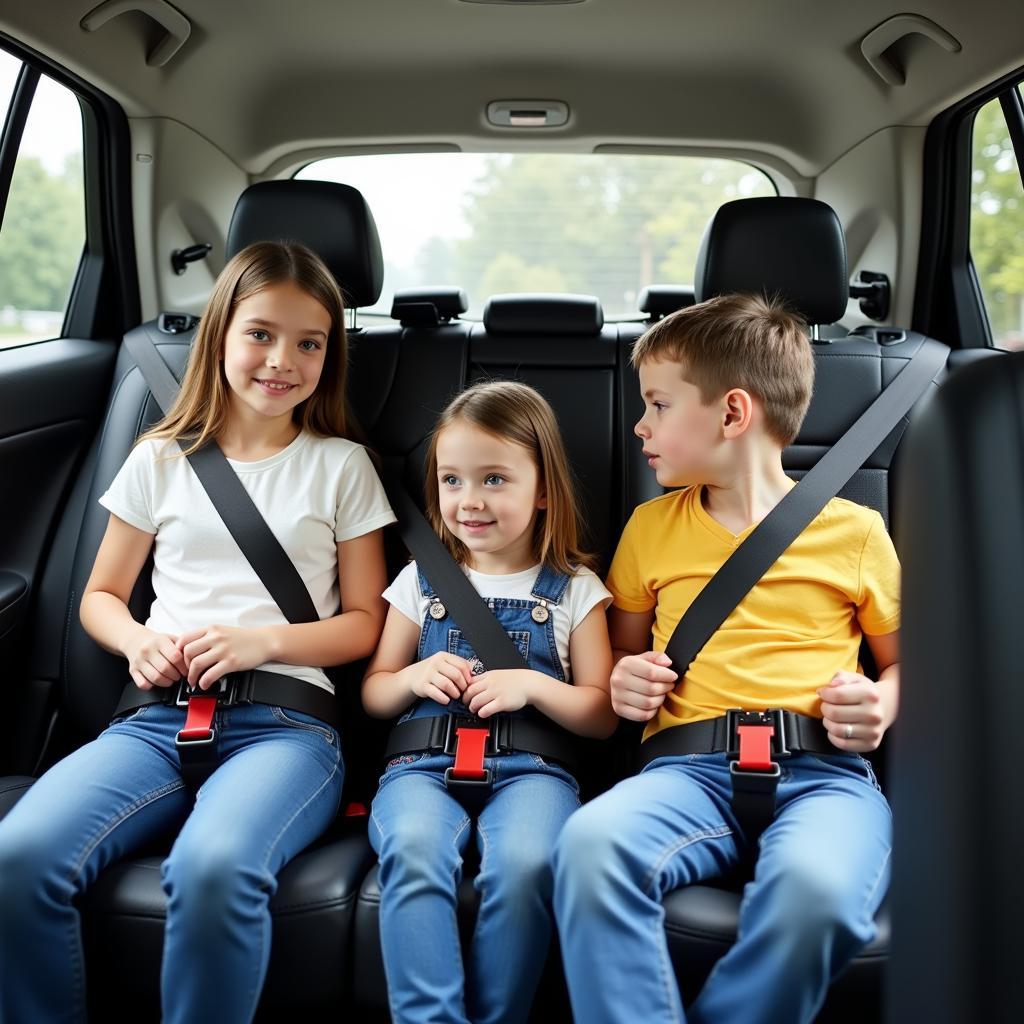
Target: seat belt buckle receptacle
(756, 741)
(469, 739)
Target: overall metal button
(437, 610)
(539, 613)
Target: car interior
(861, 162)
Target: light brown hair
(740, 341)
(199, 413)
(516, 413)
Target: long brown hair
(199, 413)
(515, 412)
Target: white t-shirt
(314, 493)
(584, 591)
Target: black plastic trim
(948, 302)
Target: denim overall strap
(550, 585)
(425, 588)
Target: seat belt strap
(754, 790)
(774, 534)
(197, 741)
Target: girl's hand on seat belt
(506, 689)
(442, 677)
(640, 683)
(153, 658)
(213, 651)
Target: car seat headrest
(788, 247)
(331, 219)
(428, 307)
(658, 300)
(542, 313)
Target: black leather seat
(957, 897)
(401, 376)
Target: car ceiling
(264, 79)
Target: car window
(43, 232)
(599, 224)
(997, 226)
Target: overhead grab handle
(176, 26)
(876, 43)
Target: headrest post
(815, 332)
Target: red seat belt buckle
(198, 727)
(470, 744)
(755, 748)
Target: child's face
(274, 349)
(488, 491)
(681, 435)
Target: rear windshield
(597, 224)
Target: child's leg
(821, 874)
(516, 831)
(98, 805)
(276, 790)
(420, 831)
(618, 855)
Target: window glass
(597, 224)
(997, 226)
(43, 231)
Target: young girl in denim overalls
(266, 381)
(500, 495)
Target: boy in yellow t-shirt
(726, 385)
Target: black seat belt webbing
(753, 797)
(493, 646)
(774, 534)
(232, 501)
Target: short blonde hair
(516, 412)
(740, 341)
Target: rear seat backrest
(560, 345)
(795, 249)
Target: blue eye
(309, 341)
(259, 335)
(494, 479)
(450, 480)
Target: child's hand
(213, 651)
(442, 677)
(853, 712)
(640, 683)
(505, 689)
(153, 659)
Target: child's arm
(153, 658)
(394, 679)
(583, 708)
(213, 651)
(868, 707)
(641, 678)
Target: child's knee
(586, 848)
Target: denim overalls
(420, 830)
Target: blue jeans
(821, 875)
(276, 790)
(420, 831)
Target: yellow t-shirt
(795, 629)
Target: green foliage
(594, 224)
(42, 235)
(997, 225)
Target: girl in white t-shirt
(266, 382)
(490, 747)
